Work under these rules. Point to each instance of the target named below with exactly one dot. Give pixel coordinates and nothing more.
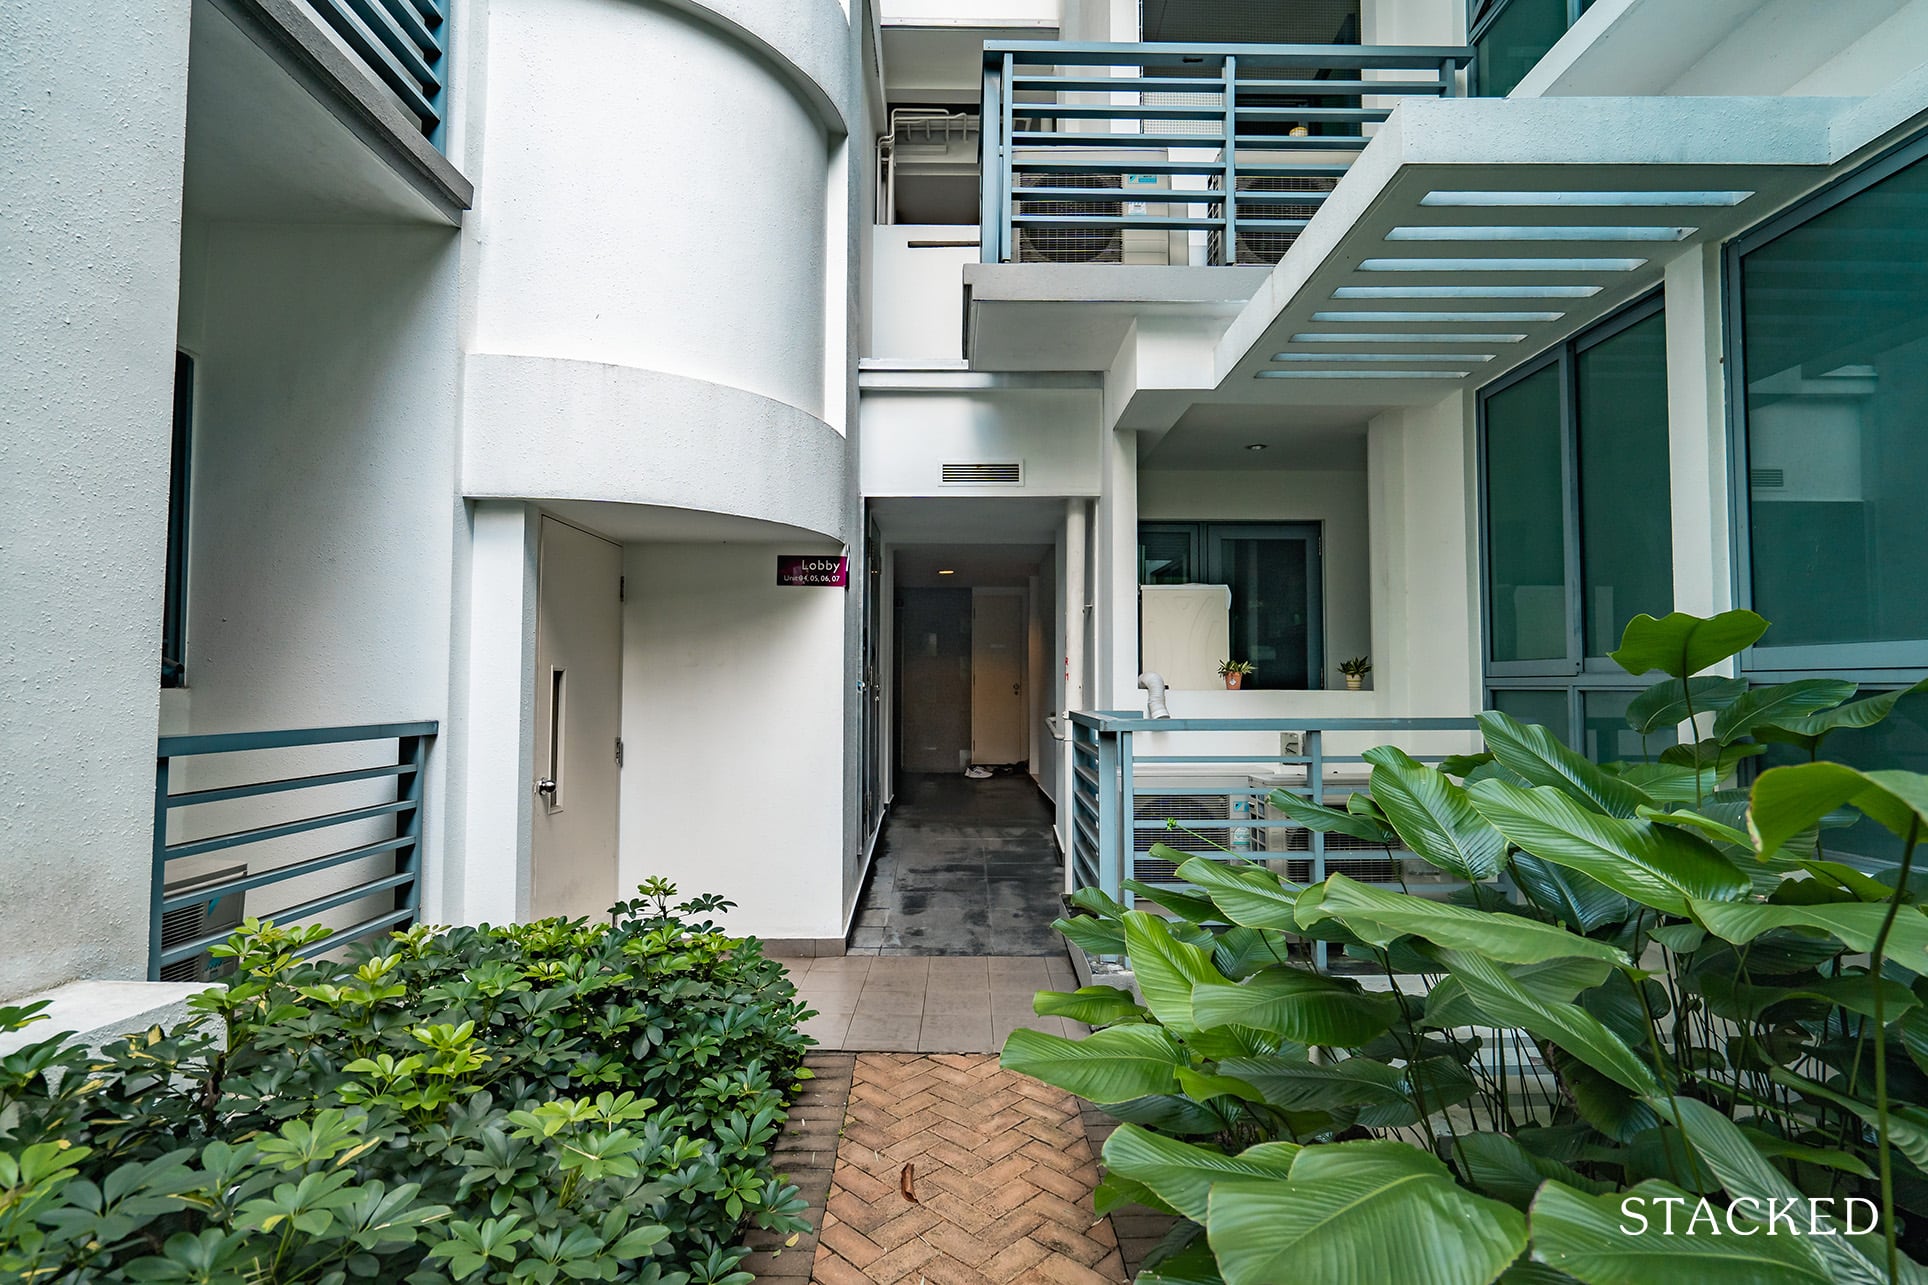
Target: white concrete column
(1697, 434)
(488, 877)
(1115, 596)
(1073, 594)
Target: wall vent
(1767, 479)
(984, 473)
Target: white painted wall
(917, 291)
(1697, 434)
(734, 712)
(93, 101)
(908, 436)
(652, 194)
(1336, 500)
(1425, 559)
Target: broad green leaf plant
(534, 1103)
(1651, 997)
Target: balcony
(1178, 154)
(402, 45)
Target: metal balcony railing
(1203, 787)
(1083, 144)
(404, 45)
(197, 904)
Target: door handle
(546, 786)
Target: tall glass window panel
(1626, 538)
(1514, 41)
(1274, 580)
(1168, 555)
(1835, 326)
(1526, 521)
(1547, 709)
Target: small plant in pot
(1355, 671)
(1234, 672)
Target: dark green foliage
(534, 1103)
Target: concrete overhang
(1473, 233)
(1075, 316)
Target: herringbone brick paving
(953, 1171)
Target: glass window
(1273, 572)
(1604, 734)
(1626, 539)
(1898, 742)
(174, 603)
(1513, 40)
(1526, 520)
(1548, 709)
(1168, 555)
(1834, 325)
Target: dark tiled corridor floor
(963, 868)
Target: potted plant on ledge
(1355, 671)
(1234, 672)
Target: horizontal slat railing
(392, 888)
(404, 45)
(1269, 115)
(1122, 760)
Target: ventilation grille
(1263, 245)
(1070, 245)
(188, 923)
(1364, 870)
(1768, 479)
(984, 473)
(1195, 813)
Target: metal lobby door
(579, 633)
(997, 676)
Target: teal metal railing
(387, 849)
(404, 45)
(1084, 142)
(1202, 787)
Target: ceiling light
(1362, 374)
(1256, 446)
(1333, 337)
(947, 572)
(1500, 265)
(1466, 292)
(1437, 316)
(1547, 232)
(1588, 199)
(1382, 356)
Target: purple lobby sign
(813, 569)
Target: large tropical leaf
(1317, 816)
(1249, 895)
(1671, 782)
(1297, 1005)
(1166, 969)
(1379, 917)
(1113, 1065)
(1681, 645)
(1434, 817)
(1541, 758)
(1774, 706)
(1362, 1211)
(1668, 703)
(1449, 1004)
(1582, 902)
(1596, 1240)
(1507, 1003)
(1496, 1164)
(1658, 866)
(1092, 1005)
(1856, 924)
(1181, 1174)
(1809, 732)
(1297, 1084)
(1789, 800)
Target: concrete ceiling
(262, 148)
(917, 566)
(652, 523)
(943, 63)
(968, 520)
(1217, 436)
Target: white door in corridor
(579, 635)
(997, 676)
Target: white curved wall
(653, 193)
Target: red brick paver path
(1000, 1180)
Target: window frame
(180, 481)
(1206, 535)
(1479, 20)
(1577, 673)
(1890, 662)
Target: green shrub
(532, 1103)
(1652, 986)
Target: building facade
(461, 373)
